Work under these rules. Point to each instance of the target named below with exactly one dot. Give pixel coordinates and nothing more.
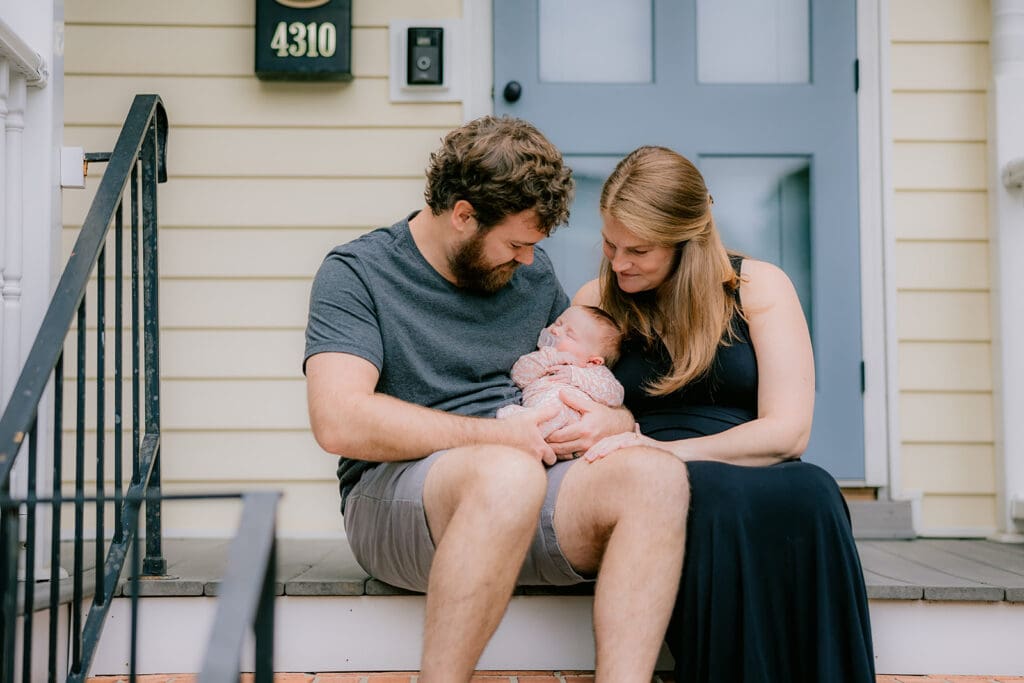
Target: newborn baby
(573, 355)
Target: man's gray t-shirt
(434, 344)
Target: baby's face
(577, 333)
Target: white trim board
(878, 289)
(363, 633)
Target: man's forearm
(382, 428)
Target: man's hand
(596, 422)
(522, 430)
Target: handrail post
(8, 586)
(154, 563)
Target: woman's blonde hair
(660, 197)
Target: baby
(574, 354)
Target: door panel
(753, 41)
(576, 248)
(762, 207)
(780, 157)
(622, 27)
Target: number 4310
(304, 40)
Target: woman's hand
(596, 422)
(617, 442)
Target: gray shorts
(388, 533)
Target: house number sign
(304, 40)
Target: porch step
(920, 569)
(954, 606)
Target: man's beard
(473, 273)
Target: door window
(753, 41)
(596, 41)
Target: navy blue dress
(772, 589)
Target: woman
(718, 370)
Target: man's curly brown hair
(502, 166)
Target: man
(412, 332)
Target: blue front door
(760, 94)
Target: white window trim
(878, 294)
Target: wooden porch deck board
(928, 569)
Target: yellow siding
(944, 215)
(943, 316)
(939, 116)
(273, 202)
(939, 74)
(940, 66)
(958, 514)
(283, 153)
(939, 166)
(212, 50)
(950, 469)
(945, 366)
(942, 265)
(219, 101)
(946, 417)
(209, 353)
(939, 20)
(223, 455)
(264, 179)
(241, 12)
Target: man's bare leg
(483, 505)
(624, 516)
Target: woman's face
(639, 266)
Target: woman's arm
(785, 377)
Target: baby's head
(587, 333)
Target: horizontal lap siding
(939, 75)
(264, 178)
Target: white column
(30, 134)
(1006, 212)
(13, 222)
(5, 81)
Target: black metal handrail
(246, 601)
(136, 165)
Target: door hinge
(863, 381)
(856, 75)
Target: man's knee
(496, 481)
(647, 477)
(504, 474)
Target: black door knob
(512, 92)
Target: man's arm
(350, 419)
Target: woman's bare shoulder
(763, 283)
(589, 294)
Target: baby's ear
(595, 360)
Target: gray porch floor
(928, 569)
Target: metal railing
(247, 600)
(135, 166)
